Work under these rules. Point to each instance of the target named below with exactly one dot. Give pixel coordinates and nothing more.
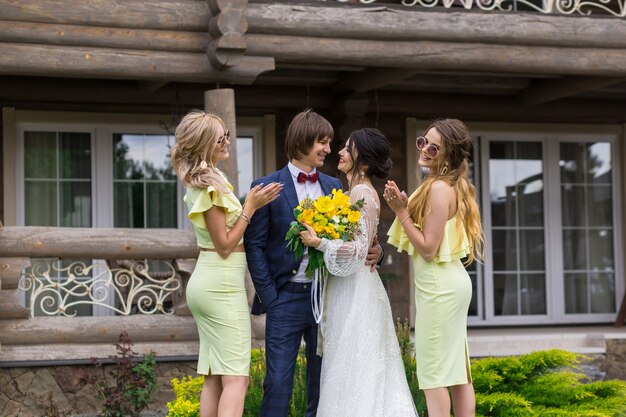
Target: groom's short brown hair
(305, 128)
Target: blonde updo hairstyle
(196, 142)
(454, 170)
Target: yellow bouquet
(332, 217)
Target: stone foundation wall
(24, 392)
(615, 361)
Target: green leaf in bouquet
(358, 205)
(316, 261)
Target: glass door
(549, 211)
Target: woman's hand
(259, 195)
(309, 237)
(396, 200)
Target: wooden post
(621, 315)
(221, 102)
(353, 109)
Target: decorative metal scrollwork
(583, 7)
(54, 289)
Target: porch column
(221, 102)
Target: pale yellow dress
(216, 291)
(443, 292)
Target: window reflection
(518, 235)
(144, 184)
(587, 213)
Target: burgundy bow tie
(302, 177)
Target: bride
(362, 370)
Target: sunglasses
(226, 136)
(432, 150)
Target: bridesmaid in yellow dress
(439, 226)
(216, 293)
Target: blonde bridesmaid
(216, 293)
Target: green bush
(129, 387)
(543, 383)
(540, 384)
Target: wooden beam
(375, 78)
(544, 91)
(141, 328)
(441, 55)
(101, 243)
(81, 62)
(498, 108)
(122, 95)
(412, 24)
(10, 272)
(84, 352)
(10, 308)
(151, 86)
(147, 14)
(103, 37)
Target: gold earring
(444, 170)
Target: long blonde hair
(454, 170)
(196, 142)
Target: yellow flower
(307, 216)
(324, 204)
(320, 219)
(340, 199)
(354, 216)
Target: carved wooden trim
(227, 26)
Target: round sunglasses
(226, 136)
(432, 150)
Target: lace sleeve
(344, 258)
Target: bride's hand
(309, 237)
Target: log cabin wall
(357, 65)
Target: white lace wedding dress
(362, 370)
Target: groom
(283, 291)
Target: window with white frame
(549, 203)
(105, 174)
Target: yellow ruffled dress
(443, 291)
(216, 291)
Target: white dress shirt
(312, 190)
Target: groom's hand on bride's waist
(374, 254)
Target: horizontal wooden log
(83, 62)
(11, 271)
(441, 55)
(543, 91)
(413, 24)
(496, 109)
(29, 355)
(10, 308)
(110, 37)
(147, 14)
(140, 328)
(97, 243)
(117, 93)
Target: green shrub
(543, 383)
(187, 390)
(407, 350)
(540, 384)
(133, 382)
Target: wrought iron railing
(54, 288)
(566, 7)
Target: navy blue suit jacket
(270, 262)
